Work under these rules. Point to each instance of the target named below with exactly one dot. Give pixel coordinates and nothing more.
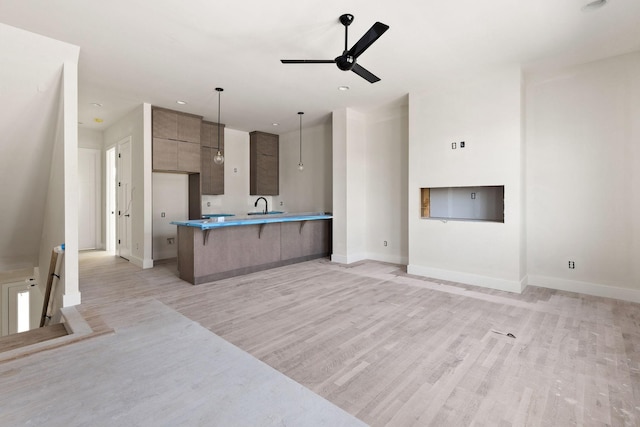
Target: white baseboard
(595, 289)
(516, 286)
(71, 299)
(391, 259)
(142, 263)
(347, 259)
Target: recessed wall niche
(483, 203)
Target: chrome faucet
(266, 204)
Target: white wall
(305, 191)
(583, 179)
(386, 176)
(60, 225)
(137, 124)
(308, 190)
(350, 219)
(94, 139)
(171, 197)
(370, 184)
(236, 199)
(485, 112)
(90, 198)
(90, 138)
(31, 69)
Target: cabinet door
(264, 162)
(188, 157)
(165, 124)
(189, 128)
(205, 134)
(212, 174)
(165, 155)
(206, 160)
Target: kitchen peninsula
(217, 248)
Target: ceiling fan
(347, 61)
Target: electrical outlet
(453, 145)
(281, 203)
(163, 214)
(235, 170)
(208, 204)
(473, 195)
(171, 240)
(385, 243)
(572, 265)
(461, 144)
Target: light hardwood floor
(394, 349)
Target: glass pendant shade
(218, 159)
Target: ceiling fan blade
(368, 38)
(308, 61)
(365, 74)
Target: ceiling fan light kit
(348, 60)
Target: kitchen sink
(268, 213)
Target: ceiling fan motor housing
(345, 62)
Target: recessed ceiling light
(594, 4)
(98, 120)
(343, 88)
(275, 124)
(181, 102)
(96, 104)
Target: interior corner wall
(386, 177)
(308, 190)
(485, 113)
(583, 178)
(349, 186)
(134, 125)
(61, 209)
(53, 228)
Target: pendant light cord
(300, 114)
(219, 89)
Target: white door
(89, 197)
(110, 177)
(124, 198)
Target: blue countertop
(220, 221)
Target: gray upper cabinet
(263, 153)
(176, 141)
(212, 179)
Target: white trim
(142, 263)
(71, 299)
(348, 259)
(595, 289)
(516, 286)
(391, 259)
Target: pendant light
(218, 159)
(300, 165)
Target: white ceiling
(160, 51)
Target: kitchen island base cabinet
(209, 255)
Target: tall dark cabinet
(211, 175)
(176, 149)
(264, 164)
